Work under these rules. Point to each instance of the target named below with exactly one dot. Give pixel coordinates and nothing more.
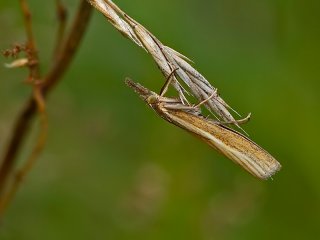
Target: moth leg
(244, 120)
(206, 100)
(178, 106)
(164, 89)
(240, 121)
(195, 108)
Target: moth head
(151, 99)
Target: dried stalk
(31, 45)
(33, 78)
(62, 15)
(62, 62)
(167, 59)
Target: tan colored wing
(230, 143)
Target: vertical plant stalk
(62, 15)
(31, 45)
(21, 127)
(34, 76)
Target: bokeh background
(112, 169)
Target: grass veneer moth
(227, 141)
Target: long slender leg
(182, 106)
(240, 121)
(164, 89)
(206, 100)
(236, 122)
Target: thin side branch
(31, 45)
(34, 76)
(69, 47)
(20, 175)
(62, 15)
(23, 121)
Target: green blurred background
(112, 169)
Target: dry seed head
(21, 62)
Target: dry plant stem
(62, 15)
(167, 60)
(34, 75)
(61, 63)
(21, 174)
(33, 55)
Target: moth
(234, 145)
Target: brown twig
(30, 46)
(69, 47)
(14, 51)
(21, 174)
(34, 75)
(21, 127)
(62, 15)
